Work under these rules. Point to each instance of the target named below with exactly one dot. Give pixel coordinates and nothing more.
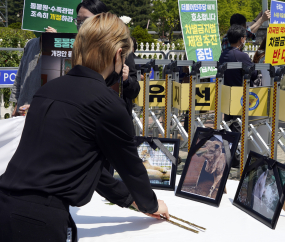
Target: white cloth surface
(10, 134)
(99, 222)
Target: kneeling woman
(74, 124)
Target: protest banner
(56, 55)
(277, 12)
(39, 14)
(199, 24)
(275, 45)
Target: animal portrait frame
(207, 166)
(261, 189)
(157, 160)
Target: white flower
(125, 19)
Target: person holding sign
(74, 123)
(239, 19)
(233, 77)
(28, 78)
(131, 87)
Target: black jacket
(233, 77)
(74, 123)
(131, 87)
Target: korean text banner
(58, 44)
(277, 12)
(199, 24)
(39, 14)
(275, 45)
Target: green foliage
(179, 44)
(15, 7)
(138, 10)
(249, 8)
(15, 25)
(141, 35)
(12, 38)
(166, 15)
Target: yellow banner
(176, 95)
(258, 98)
(275, 44)
(226, 97)
(204, 99)
(156, 94)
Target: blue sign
(253, 101)
(7, 77)
(194, 7)
(204, 54)
(277, 12)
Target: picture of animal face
(259, 191)
(206, 169)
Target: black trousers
(34, 218)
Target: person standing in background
(239, 19)
(131, 87)
(28, 78)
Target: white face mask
(242, 45)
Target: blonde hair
(98, 40)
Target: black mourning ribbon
(208, 134)
(271, 166)
(155, 143)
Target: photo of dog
(206, 169)
(259, 191)
(157, 164)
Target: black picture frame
(198, 175)
(251, 185)
(160, 184)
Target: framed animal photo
(159, 156)
(261, 189)
(208, 165)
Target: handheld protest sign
(208, 165)
(275, 51)
(277, 12)
(39, 14)
(56, 55)
(159, 156)
(200, 30)
(261, 189)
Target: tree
(166, 15)
(15, 11)
(249, 8)
(138, 10)
(141, 35)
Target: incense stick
(184, 221)
(179, 225)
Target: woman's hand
(162, 210)
(24, 109)
(50, 30)
(126, 71)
